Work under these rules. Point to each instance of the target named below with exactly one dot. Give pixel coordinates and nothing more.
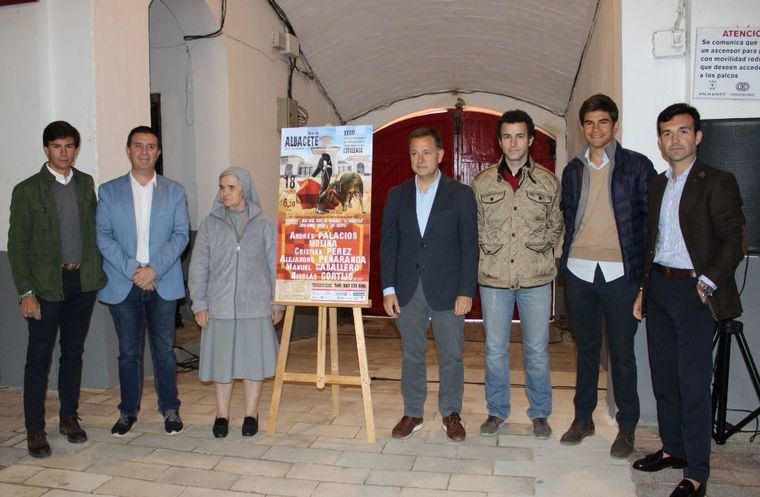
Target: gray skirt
(238, 349)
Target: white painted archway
(192, 78)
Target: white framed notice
(727, 63)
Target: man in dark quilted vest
(604, 203)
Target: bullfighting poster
(324, 215)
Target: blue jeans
(130, 318)
(534, 305)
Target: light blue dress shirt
(424, 205)
(424, 201)
(670, 249)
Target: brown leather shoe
(452, 425)
(37, 444)
(71, 429)
(622, 447)
(579, 429)
(406, 427)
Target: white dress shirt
(142, 197)
(585, 269)
(64, 180)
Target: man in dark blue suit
(429, 262)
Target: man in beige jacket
(519, 225)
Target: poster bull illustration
(341, 191)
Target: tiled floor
(318, 454)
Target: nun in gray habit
(231, 280)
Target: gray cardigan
(229, 283)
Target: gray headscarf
(249, 191)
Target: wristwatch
(706, 289)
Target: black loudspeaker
(734, 145)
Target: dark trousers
(72, 316)
(139, 310)
(680, 331)
(588, 303)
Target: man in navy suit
(142, 229)
(429, 262)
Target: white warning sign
(727, 63)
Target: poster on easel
(324, 215)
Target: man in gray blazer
(429, 262)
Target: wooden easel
(325, 311)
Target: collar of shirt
(605, 159)
(683, 176)
(433, 186)
(506, 172)
(136, 183)
(60, 178)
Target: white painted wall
(551, 123)
(81, 61)
(51, 79)
(67, 74)
(122, 87)
(648, 86)
(257, 76)
(599, 73)
(19, 103)
(171, 75)
(235, 81)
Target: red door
(469, 144)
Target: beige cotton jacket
(517, 230)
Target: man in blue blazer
(142, 229)
(429, 263)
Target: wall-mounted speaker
(734, 145)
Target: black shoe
(250, 426)
(37, 444)
(123, 426)
(74, 433)
(658, 461)
(622, 447)
(579, 430)
(172, 422)
(686, 489)
(221, 427)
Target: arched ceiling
(369, 54)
